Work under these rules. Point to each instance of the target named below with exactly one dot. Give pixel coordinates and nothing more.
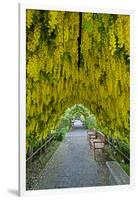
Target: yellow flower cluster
(56, 82)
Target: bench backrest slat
(101, 136)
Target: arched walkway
(72, 165)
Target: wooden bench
(117, 175)
(91, 134)
(98, 142)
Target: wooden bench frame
(91, 134)
(99, 139)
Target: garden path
(72, 165)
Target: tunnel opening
(74, 117)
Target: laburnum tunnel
(77, 58)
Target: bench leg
(94, 151)
(93, 154)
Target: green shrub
(61, 133)
(124, 148)
(90, 122)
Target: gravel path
(72, 165)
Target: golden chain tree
(77, 58)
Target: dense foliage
(76, 58)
